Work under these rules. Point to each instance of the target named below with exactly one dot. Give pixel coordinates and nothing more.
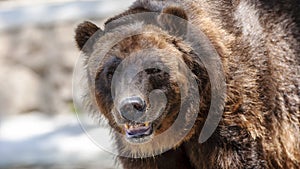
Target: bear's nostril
(132, 108)
(138, 106)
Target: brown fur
(258, 42)
(83, 33)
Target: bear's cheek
(104, 104)
(169, 116)
(166, 122)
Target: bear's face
(139, 90)
(142, 82)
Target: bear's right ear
(84, 32)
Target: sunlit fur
(258, 42)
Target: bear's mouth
(138, 132)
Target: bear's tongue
(138, 130)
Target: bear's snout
(132, 109)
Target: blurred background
(38, 125)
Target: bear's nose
(132, 108)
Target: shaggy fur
(258, 43)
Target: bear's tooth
(126, 126)
(147, 124)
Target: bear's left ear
(84, 32)
(174, 20)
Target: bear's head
(145, 79)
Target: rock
(19, 90)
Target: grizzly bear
(141, 82)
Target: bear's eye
(152, 71)
(110, 74)
(111, 67)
